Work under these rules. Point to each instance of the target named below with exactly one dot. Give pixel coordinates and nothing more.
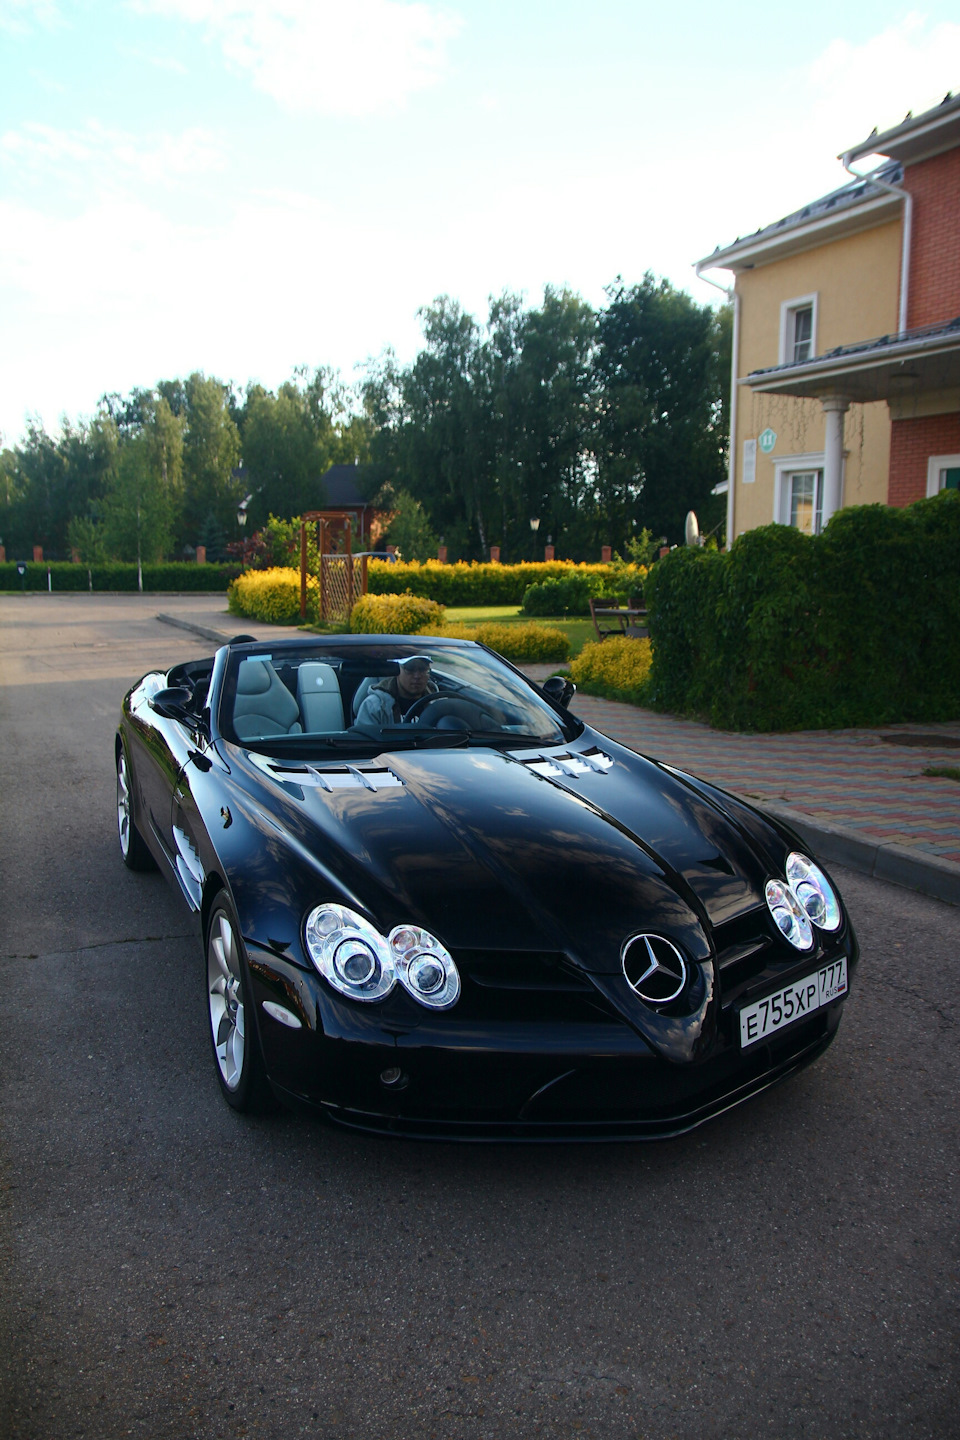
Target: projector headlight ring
(814, 891)
(424, 968)
(789, 915)
(350, 953)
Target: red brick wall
(935, 247)
(912, 442)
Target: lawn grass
(943, 772)
(576, 628)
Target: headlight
(350, 953)
(789, 915)
(424, 967)
(814, 891)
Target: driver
(389, 700)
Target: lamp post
(534, 527)
(242, 522)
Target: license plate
(793, 1002)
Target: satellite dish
(691, 530)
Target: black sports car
(435, 903)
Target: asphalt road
(173, 1270)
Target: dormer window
(798, 330)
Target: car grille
(528, 984)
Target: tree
(409, 529)
(661, 434)
(211, 452)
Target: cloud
(836, 100)
(331, 57)
(95, 158)
(19, 17)
(909, 66)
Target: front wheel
(233, 1034)
(133, 848)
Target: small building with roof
(345, 487)
(846, 347)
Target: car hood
(485, 851)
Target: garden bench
(612, 617)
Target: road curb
(897, 864)
(217, 636)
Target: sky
(247, 186)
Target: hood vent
(565, 762)
(334, 777)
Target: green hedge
(857, 626)
(470, 584)
(64, 575)
(569, 595)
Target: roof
(917, 137)
(890, 367)
(341, 487)
(853, 207)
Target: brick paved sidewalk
(857, 779)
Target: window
(798, 330)
(805, 497)
(802, 334)
(799, 493)
(943, 473)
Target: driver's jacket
(381, 705)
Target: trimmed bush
(616, 668)
(471, 584)
(523, 644)
(857, 626)
(163, 578)
(394, 614)
(273, 596)
(567, 595)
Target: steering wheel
(429, 709)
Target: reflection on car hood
(484, 851)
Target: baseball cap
(417, 661)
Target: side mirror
(559, 691)
(176, 703)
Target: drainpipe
(731, 294)
(907, 199)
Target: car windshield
(301, 700)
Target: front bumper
(400, 1070)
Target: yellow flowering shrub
(616, 668)
(272, 596)
(394, 614)
(523, 644)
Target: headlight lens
(424, 967)
(350, 953)
(791, 918)
(814, 891)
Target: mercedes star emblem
(655, 969)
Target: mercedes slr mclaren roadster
(435, 903)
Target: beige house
(836, 399)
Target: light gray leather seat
(321, 705)
(363, 690)
(264, 705)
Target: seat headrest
(253, 678)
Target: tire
(234, 1040)
(133, 848)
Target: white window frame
(935, 464)
(788, 310)
(789, 465)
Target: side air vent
(333, 777)
(566, 762)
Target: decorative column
(834, 409)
